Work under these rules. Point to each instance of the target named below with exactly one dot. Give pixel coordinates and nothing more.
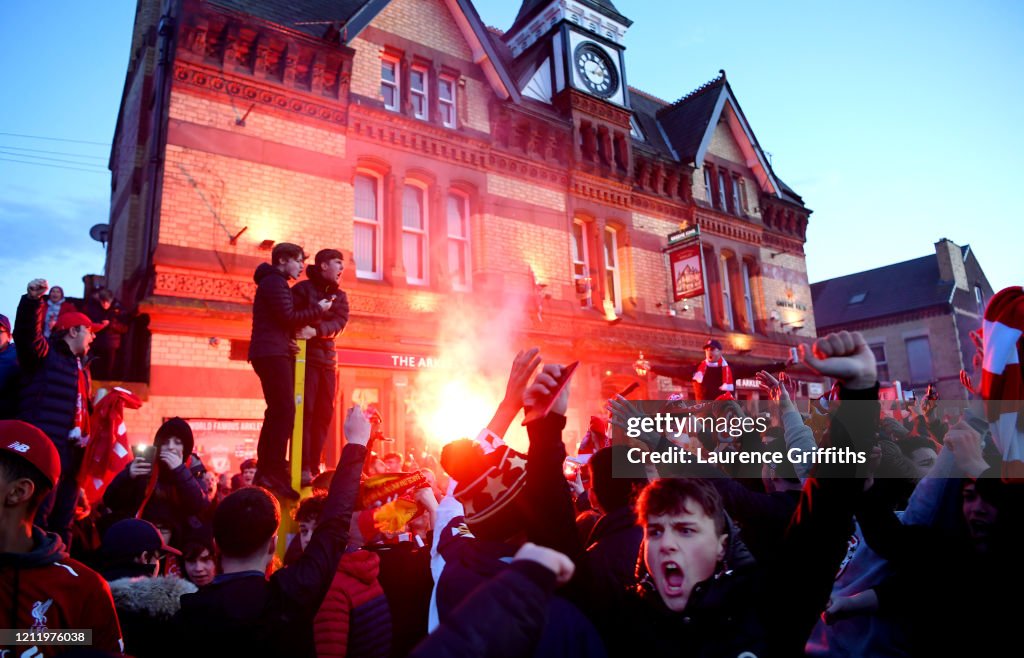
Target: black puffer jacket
(49, 371)
(274, 317)
(320, 350)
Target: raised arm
(31, 344)
(553, 519)
(306, 582)
(523, 365)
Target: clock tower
(569, 54)
(570, 44)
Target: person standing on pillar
(321, 360)
(272, 349)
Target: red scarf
(82, 405)
(727, 383)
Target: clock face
(595, 69)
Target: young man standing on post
(321, 360)
(275, 324)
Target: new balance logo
(20, 447)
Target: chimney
(951, 263)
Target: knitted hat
(489, 487)
(176, 427)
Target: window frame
(736, 200)
(708, 187)
(723, 198)
(881, 364)
(420, 94)
(377, 224)
(729, 318)
(423, 233)
(748, 293)
(612, 268)
(463, 241)
(453, 104)
(907, 340)
(386, 59)
(583, 262)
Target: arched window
(366, 228)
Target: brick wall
(723, 145)
(784, 274)
(519, 190)
(944, 348)
(425, 21)
(275, 204)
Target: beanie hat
(490, 487)
(176, 427)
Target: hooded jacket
(307, 293)
(244, 613)
(145, 604)
(45, 589)
(354, 619)
(274, 316)
(49, 374)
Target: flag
(108, 451)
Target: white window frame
(611, 267)
(709, 190)
(386, 60)
(880, 363)
(422, 233)
(743, 194)
(979, 298)
(445, 106)
(748, 297)
(373, 273)
(737, 202)
(581, 261)
(420, 95)
(460, 243)
(723, 178)
(730, 320)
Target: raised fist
(844, 356)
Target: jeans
(277, 377)
(57, 511)
(318, 410)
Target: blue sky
(896, 121)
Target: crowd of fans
(486, 551)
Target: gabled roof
(312, 17)
(686, 121)
(318, 18)
(645, 110)
(690, 124)
(898, 288)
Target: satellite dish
(100, 233)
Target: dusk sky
(896, 121)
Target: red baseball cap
(66, 321)
(28, 442)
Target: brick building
(469, 173)
(917, 316)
